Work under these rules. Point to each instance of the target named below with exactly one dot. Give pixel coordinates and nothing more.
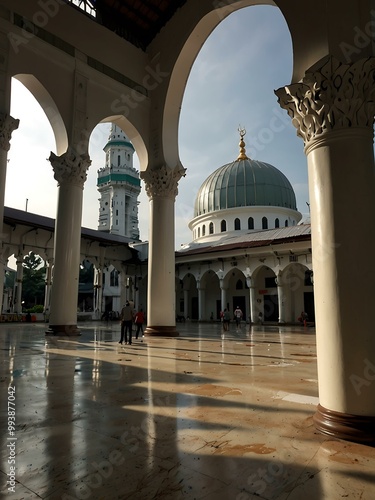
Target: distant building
(119, 186)
(248, 249)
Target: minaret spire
(242, 155)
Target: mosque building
(88, 63)
(249, 248)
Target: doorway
(241, 303)
(271, 308)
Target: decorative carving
(162, 182)
(70, 167)
(279, 279)
(7, 125)
(331, 96)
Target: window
(239, 285)
(264, 223)
(237, 224)
(211, 228)
(118, 160)
(270, 282)
(114, 278)
(116, 213)
(277, 223)
(199, 232)
(250, 223)
(223, 226)
(286, 223)
(204, 230)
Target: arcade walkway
(201, 416)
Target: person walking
(139, 320)
(226, 320)
(126, 317)
(238, 317)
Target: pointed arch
(49, 107)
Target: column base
(161, 331)
(64, 330)
(357, 428)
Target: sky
(231, 84)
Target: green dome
(244, 183)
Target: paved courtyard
(206, 415)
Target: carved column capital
(70, 167)
(7, 125)
(331, 96)
(162, 182)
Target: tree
(33, 283)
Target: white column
(161, 187)
(253, 306)
(123, 289)
(223, 295)
(7, 125)
(201, 302)
(281, 297)
(98, 287)
(70, 172)
(17, 299)
(47, 294)
(333, 110)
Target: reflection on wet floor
(207, 415)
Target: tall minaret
(119, 186)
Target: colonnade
(332, 106)
(288, 290)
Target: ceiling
(136, 21)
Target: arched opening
(30, 183)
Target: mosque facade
(249, 248)
(87, 69)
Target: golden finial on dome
(242, 155)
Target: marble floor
(201, 416)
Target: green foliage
(36, 309)
(33, 283)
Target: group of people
(128, 316)
(225, 318)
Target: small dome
(244, 183)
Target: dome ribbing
(244, 182)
